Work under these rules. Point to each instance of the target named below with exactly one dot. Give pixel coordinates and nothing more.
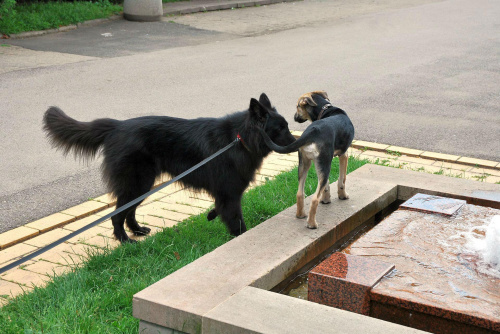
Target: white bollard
(142, 10)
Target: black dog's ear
(257, 110)
(264, 100)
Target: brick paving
(173, 204)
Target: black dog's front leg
(134, 226)
(239, 228)
(231, 215)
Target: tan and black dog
(330, 134)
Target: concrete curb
(169, 9)
(89, 23)
(479, 163)
(179, 8)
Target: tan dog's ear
(308, 100)
(323, 94)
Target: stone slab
(103, 242)
(155, 221)
(405, 151)
(440, 156)
(344, 281)
(106, 198)
(59, 255)
(371, 146)
(149, 328)
(47, 238)
(47, 268)
(182, 208)
(26, 278)
(478, 162)
(50, 222)
(451, 165)
(10, 254)
(433, 204)
(84, 222)
(254, 310)
(422, 321)
(16, 236)
(188, 201)
(86, 235)
(9, 289)
(85, 209)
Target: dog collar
(326, 106)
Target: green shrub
(7, 7)
(16, 18)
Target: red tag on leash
(242, 142)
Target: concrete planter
(142, 10)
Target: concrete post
(142, 10)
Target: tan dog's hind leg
(325, 195)
(304, 165)
(322, 184)
(342, 177)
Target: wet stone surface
(440, 270)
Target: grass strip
(97, 296)
(48, 15)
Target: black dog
(138, 150)
(330, 134)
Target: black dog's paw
(124, 239)
(212, 214)
(238, 231)
(143, 230)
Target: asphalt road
(416, 73)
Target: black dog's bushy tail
(68, 134)
(293, 147)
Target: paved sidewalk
(195, 6)
(173, 204)
(169, 9)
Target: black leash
(118, 210)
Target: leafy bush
(7, 7)
(16, 17)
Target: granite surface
(437, 273)
(344, 281)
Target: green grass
(42, 16)
(97, 297)
(17, 18)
